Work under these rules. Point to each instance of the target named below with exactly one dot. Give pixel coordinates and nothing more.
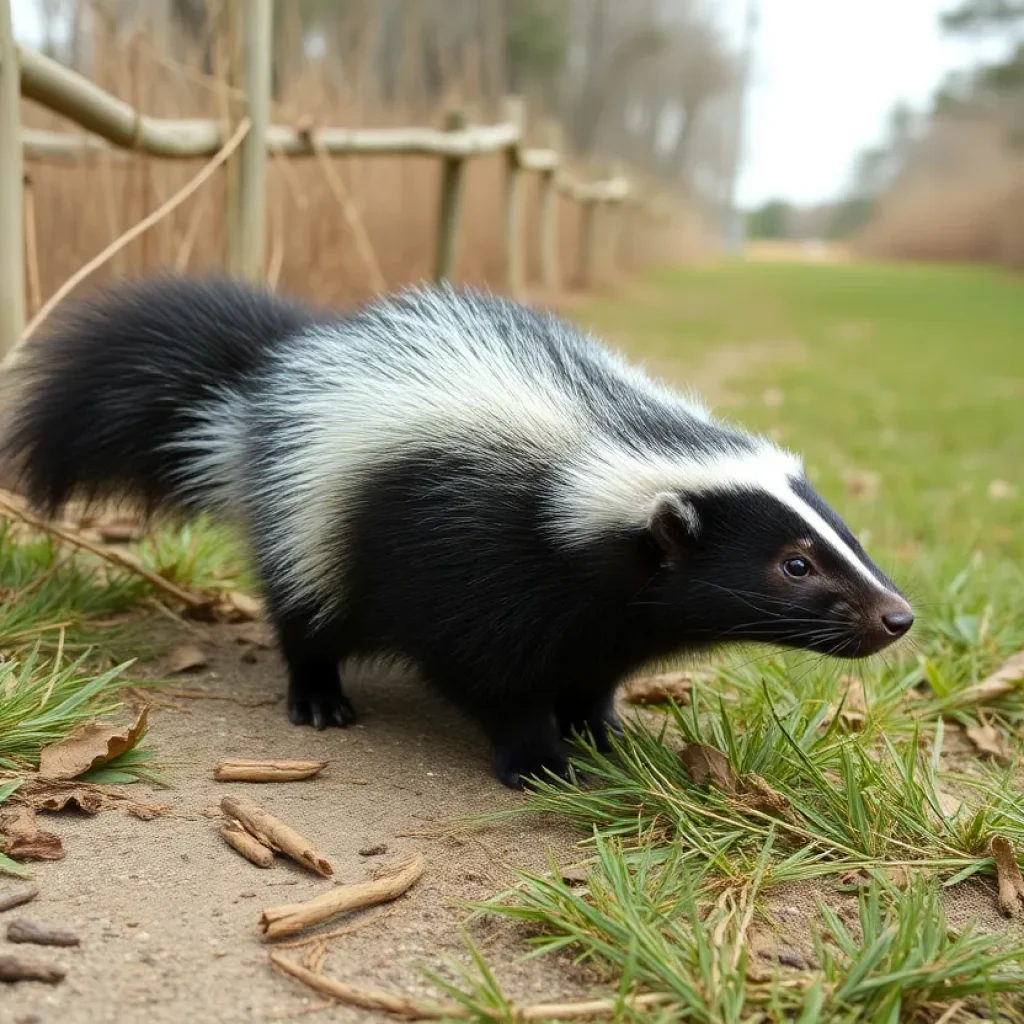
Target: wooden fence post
(515, 113)
(251, 28)
(547, 234)
(588, 240)
(449, 216)
(613, 227)
(12, 224)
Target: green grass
(69, 632)
(915, 376)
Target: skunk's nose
(897, 623)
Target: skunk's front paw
(320, 707)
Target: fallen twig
(131, 234)
(412, 1008)
(247, 845)
(351, 214)
(337, 933)
(406, 1007)
(272, 832)
(267, 771)
(16, 895)
(15, 968)
(12, 509)
(42, 935)
(290, 918)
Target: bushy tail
(96, 407)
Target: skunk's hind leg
(312, 654)
(593, 714)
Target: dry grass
(965, 203)
(79, 208)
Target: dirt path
(167, 913)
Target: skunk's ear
(673, 526)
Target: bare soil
(167, 913)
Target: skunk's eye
(797, 568)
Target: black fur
(451, 565)
(119, 377)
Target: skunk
(453, 479)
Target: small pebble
(373, 851)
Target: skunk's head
(736, 545)
(763, 558)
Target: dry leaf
(756, 795)
(987, 739)
(88, 747)
(185, 658)
(707, 765)
(21, 838)
(56, 795)
(146, 812)
(674, 686)
(1004, 680)
(233, 606)
(1011, 885)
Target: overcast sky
(826, 74)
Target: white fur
(433, 368)
(612, 486)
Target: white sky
(826, 74)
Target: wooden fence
(243, 142)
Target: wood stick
(336, 933)
(351, 214)
(406, 1007)
(588, 1009)
(42, 935)
(130, 235)
(276, 834)
(411, 1008)
(267, 771)
(16, 968)
(290, 918)
(12, 509)
(247, 845)
(16, 895)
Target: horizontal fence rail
(116, 129)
